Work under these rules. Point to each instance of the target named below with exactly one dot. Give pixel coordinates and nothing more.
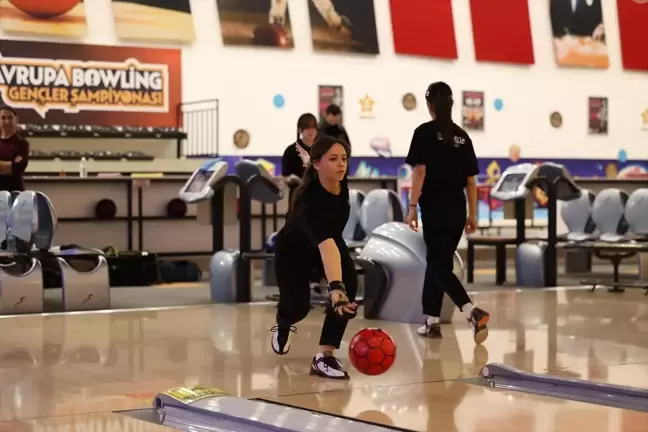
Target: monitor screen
(511, 182)
(199, 182)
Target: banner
(154, 20)
(598, 115)
(44, 17)
(412, 33)
(90, 84)
(579, 33)
(502, 34)
(473, 110)
(633, 16)
(343, 26)
(261, 23)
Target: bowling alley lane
(104, 422)
(81, 363)
(460, 407)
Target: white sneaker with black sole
(281, 339)
(328, 367)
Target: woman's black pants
(294, 273)
(443, 226)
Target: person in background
(444, 164)
(295, 158)
(14, 152)
(293, 166)
(332, 124)
(311, 240)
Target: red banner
(90, 84)
(633, 18)
(502, 31)
(424, 27)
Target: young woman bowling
(312, 240)
(444, 164)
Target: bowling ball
(270, 35)
(372, 351)
(44, 8)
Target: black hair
(439, 95)
(319, 148)
(305, 121)
(333, 110)
(8, 108)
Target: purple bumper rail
(508, 378)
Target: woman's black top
(10, 149)
(447, 165)
(292, 162)
(318, 215)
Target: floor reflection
(62, 365)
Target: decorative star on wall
(644, 115)
(366, 106)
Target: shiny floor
(69, 372)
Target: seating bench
(615, 252)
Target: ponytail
(443, 108)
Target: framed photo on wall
(327, 95)
(343, 26)
(472, 110)
(578, 33)
(154, 20)
(256, 23)
(598, 115)
(62, 18)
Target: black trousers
(443, 226)
(294, 270)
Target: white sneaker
(328, 367)
(281, 338)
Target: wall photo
(472, 110)
(75, 84)
(329, 95)
(154, 20)
(578, 33)
(598, 115)
(343, 26)
(256, 23)
(65, 18)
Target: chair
(577, 215)
(5, 208)
(353, 231)
(636, 212)
(379, 207)
(608, 213)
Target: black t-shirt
(336, 131)
(447, 166)
(292, 162)
(318, 216)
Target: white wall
(245, 80)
